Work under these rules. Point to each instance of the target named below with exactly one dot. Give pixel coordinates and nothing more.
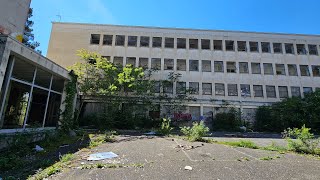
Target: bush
(196, 132)
(227, 121)
(165, 128)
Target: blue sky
(285, 16)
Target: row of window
(232, 89)
(219, 66)
(207, 44)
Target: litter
(189, 168)
(150, 133)
(38, 148)
(101, 156)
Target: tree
(28, 36)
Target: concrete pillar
(4, 58)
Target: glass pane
(57, 84)
(43, 78)
(37, 108)
(53, 111)
(22, 70)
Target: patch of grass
(274, 147)
(241, 143)
(98, 139)
(66, 158)
(267, 158)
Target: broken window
(194, 87)
(289, 48)
(217, 44)
(243, 67)
(316, 71)
(169, 42)
(280, 69)
(181, 88)
(292, 69)
(195, 112)
(206, 88)
(283, 91)
(232, 90)
(218, 66)
(167, 87)
(242, 46)
(295, 91)
(193, 65)
(193, 43)
(229, 45)
(255, 68)
(107, 40)
(254, 46)
(206, 66)
(268, 68)
(245, 90)
(205, 43)
(258, 90)
(181, 43)
(271, 91)
(231, 67)
(143, 62)
(219, 89)
(313, 49)
(144, 41)
(301, 49)
(307, 90)
(277, 47)
(131, 61)
(168, 64)
(120, 40)
(156, 86)
(132, 41)
(95, 39)
(304, 70)
(265, 47)
(156, 63)
(181, 65)
(118, 60)
(157, 42)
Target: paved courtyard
(166, 158)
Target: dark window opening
(181, 43)
(242, 46)
(205, 43)
(254, 46)
(169, 42)
(193, 43)
(289, 48)
(157, 42)
(265, 47)
(120, 40)
(95, 39)
(132, 41)
(107, 40)
(229, 45)
(277, 47)
(144, 41)
(217, 44)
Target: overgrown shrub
(227, 121)
(196, 132)
(165, 128)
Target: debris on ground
(101, 156)
(64, 145)
(151, 133)
(186, 147)
(38, 148)
(189, 168)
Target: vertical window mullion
(29, 99)
(49, 92)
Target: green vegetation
(227, 121)
(98, 139)
(196, 132)
(165, 128)
(241, 143)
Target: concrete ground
(166, 158)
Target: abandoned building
(245, 69)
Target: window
(229, 45)
(255, 68)
(283, 91)
(280, 69)
(271, 91)
(156, 63)
(304, 70)
(267, 68)
(292, 69)
(265, 47)
(144, 41)
(277, 47)
(289, 48)
(118, 60)
(131, 61)
(295, 91)
(95, 39)
(254, 47)
(193, 65)
(169, 42)
(243, 67)
(206, 88)
(231, 67)
(307, 90)
(120, 40)
(219, 89)
(157, 42)
(194, 87)
(181, 43)
(217, 44)
(205, 43)
(313, 49)
(232, 90)
(106, 57)
(218, 66)
(143, 62)
(206, 66)
(258, 90)
(132, 41)
(316, 71)
(245, 90)
(181, 88)
(107, 40)
(242, 46)
(181, 65)
(193, 43)
(168, 64)
(167, 87)
(301, 49)
(156, 86)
